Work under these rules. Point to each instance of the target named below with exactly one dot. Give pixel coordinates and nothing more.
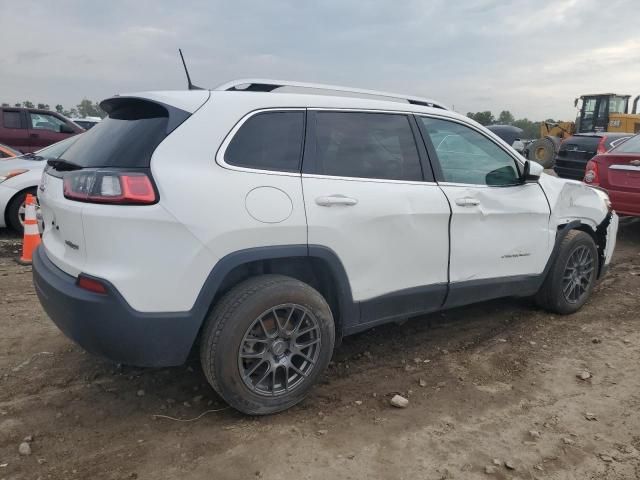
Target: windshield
(629, 146)
(57, 149)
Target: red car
(618, 172)
(30, 129)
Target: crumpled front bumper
(612, 233)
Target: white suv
(264, 220)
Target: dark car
(577, 150)
(618, 172)
(510, 134)
(30, 129)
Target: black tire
(13, 209)
(543, 151)
(228, 330)
(552, 295)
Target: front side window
(11, 119)
(366, 145)
(268, 141)
(43, 121)
(467, 156)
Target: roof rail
(268, 85)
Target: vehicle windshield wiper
(63, 165)
(32, 156)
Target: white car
(268, 219)
(20, 176)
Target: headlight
(11, 173)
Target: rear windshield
(126, 138)
(631, 145)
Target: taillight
(124, 188)
(91, 284)
(602, 145)
(591, 175)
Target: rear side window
(366, 145)
(11, 119)
(126, 138)
(268, 141)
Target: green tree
(530, 130)
(27, 104)
(483, 118)
(60, 109)
(18, 104)
(506, 118)
(86, 108)
(43, 106)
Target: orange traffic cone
(31, 234)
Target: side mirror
(66, 129)
(531, 172)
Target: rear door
(367, 199)
(499, 227)
(14, 132)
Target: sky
(532, 57)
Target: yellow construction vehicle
(602, 112)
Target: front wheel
(266, 343)
(16, 210)
(572, 277)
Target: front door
(45, 129)
(366, 198)
(500, 236)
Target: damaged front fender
(570, 200)
(575, 205)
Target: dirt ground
(493, 381)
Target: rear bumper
(625, 203)
(570, 168)
(107, 326)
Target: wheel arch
(11, 200)
(315, 265)
(599, 236)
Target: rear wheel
(572, 277)
(543, 151)
(266, 343)
(16, 210)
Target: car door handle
(467, 202)
(330, 200)
(34, 135)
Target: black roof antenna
(189, 84)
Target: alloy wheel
(279, 350)
(578, 274)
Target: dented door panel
(498, 231)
